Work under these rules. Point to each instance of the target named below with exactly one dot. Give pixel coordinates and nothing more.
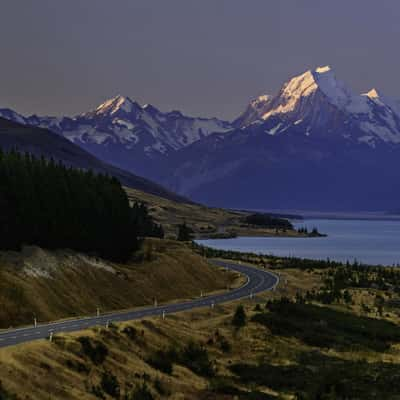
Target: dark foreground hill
(42, 142)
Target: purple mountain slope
(314, 145)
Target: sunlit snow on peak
(321, 79)
(115, 104)
(372, 94)
(322, 70)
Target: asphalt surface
(257, 281)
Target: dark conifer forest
(47, 204)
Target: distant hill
(42, 142)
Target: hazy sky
(204, 57)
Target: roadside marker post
(51, 336)
(98, 312)
(35, 322)
(212, 304)
(163, 315)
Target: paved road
(257, 281)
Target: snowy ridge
(316, 103)
(314, 118)
(324, 80)
(254, 111)
(118, 103)
(121, 121)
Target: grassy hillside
(205, 221)
(60, 284)
(290, 348)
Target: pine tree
(184, 233)
(239, 318)
(44, 203)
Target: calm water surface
(371, 242)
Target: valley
(206, 222)
(108, 245)
(200, 200)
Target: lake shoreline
(370, 242)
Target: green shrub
(224, 345)
(161, 388)
(163, 360)
(96, 352)
(98, 392)
(5, 395)
(336, 378)
(185, 233)
(131, 332)
(222, 385)
(326, 327)
(77, 366)
(141, 392)
(195, 357)
(239, 318)
(110, 385)
(257, 308)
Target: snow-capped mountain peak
(383, 101)
(316, 103)
(338, 93)
(255, 110)
(117, 104)
(151, 109)
(123, 132)
(372, 94)
(323, 70)
(261, 100)
(322, 80)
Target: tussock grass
(62, 284)
(260, 362)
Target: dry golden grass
(203, 220)
(63, 284)
(48, 373)
(43, 370)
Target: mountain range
(127, 135)
(314, 145)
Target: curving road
(257, 281)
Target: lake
(370, 242)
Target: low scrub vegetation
(327, 328)
(193, 356)
(268, 221)
(239, 318)
(307, 340)
(6, 395)
(336, 378)
(96, 351)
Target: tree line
(44, 203)
(268, 221)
